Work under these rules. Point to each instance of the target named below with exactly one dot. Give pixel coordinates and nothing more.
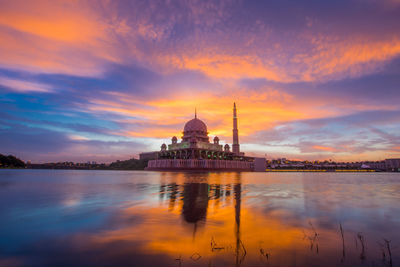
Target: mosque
(196, 152)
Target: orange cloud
(56, 37)
(318, 58)
(77, 37)
(332, 58)
(230, 66)
(67, 21)
(165, 117)
(325, 148)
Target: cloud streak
(24, 86)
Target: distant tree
(130, 164)
(11, 161)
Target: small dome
(174, 140)
(216, 140)
(226, 148)
(195, 125)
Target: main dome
(195, 125)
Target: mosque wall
(190, 164)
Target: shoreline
(187, 170)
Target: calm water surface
(129, 218)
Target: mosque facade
(196, 152)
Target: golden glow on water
(299, 170)
(198, 219)
(185, 239)
(206, 218)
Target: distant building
(392, 164)
(375, 165)
(383, 165)
(196, 152)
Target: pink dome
(195, 125)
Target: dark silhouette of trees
(130, 164)
(11, 161)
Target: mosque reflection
(195, 202)
(195, 195)
(222, 219)
(204, 200)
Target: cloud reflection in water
(228, 219)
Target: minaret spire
(235, 145)
(195, 113)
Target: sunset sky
(106, 80)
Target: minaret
(235, 145)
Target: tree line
(11, 161)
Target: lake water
(137, 218)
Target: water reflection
(212, 219)
(195, 202)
